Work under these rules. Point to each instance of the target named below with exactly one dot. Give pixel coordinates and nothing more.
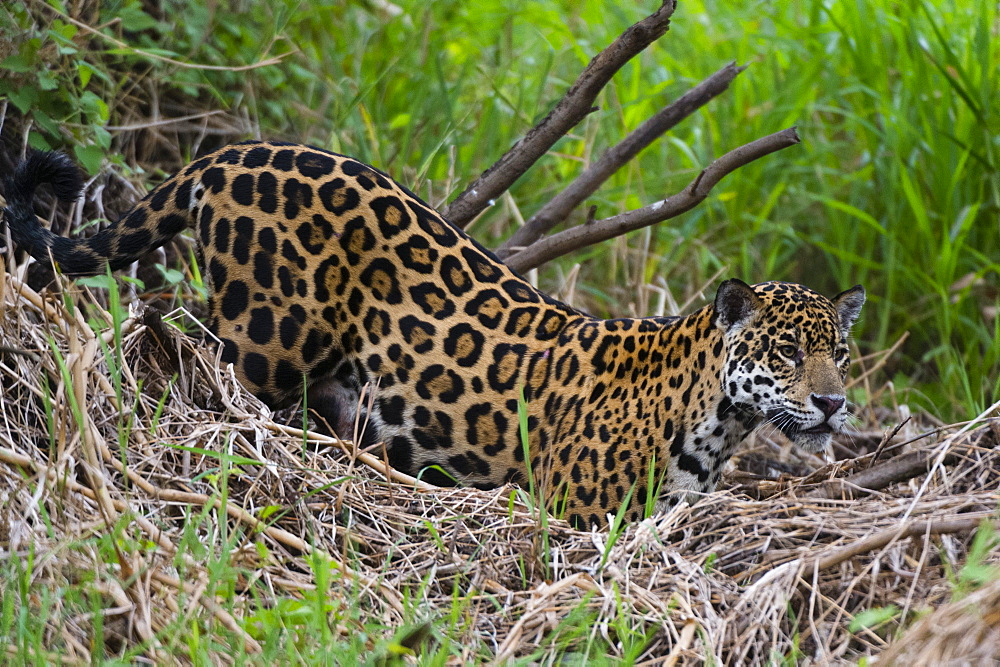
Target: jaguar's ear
(848, 304)
(735, 303)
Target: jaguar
(326, 276)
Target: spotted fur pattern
(324, 271)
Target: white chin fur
(812, 442)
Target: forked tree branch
(584, 235)
(560, 206)
(574, 106)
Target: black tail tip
(52, 167)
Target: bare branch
(883, 538)
(560, 206)
(869, 480)
(574, 106)
(584, 235)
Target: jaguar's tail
(117, 246)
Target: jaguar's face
(787, 356)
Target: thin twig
(584, 235)
(886, 439)
(560, 206)
(160, 123)
(574, 106)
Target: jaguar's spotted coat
(325, 268)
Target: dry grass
(731, 579)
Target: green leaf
(103, 281)
(979, 574)
(84, 71)
(45, 122)
(264, 512)
(166, 53)
(134, 19)
(871, 618)
(102, 137)
(171, 276)
(139, 285)
(22, 63)
(47, 80)
(90, 157)
(24, 98)
(95, 106)
(38, 142)
(399, 120)
(63, 32)
(232, 459)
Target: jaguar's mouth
(788, 425)
(814, 438)
(818, 429)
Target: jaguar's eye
(839, 354)
(788, 351)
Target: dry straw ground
(768, 568)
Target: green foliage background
(895, 186)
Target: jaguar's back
(325, 273)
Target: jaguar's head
(787, 356)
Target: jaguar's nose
(828, 404)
